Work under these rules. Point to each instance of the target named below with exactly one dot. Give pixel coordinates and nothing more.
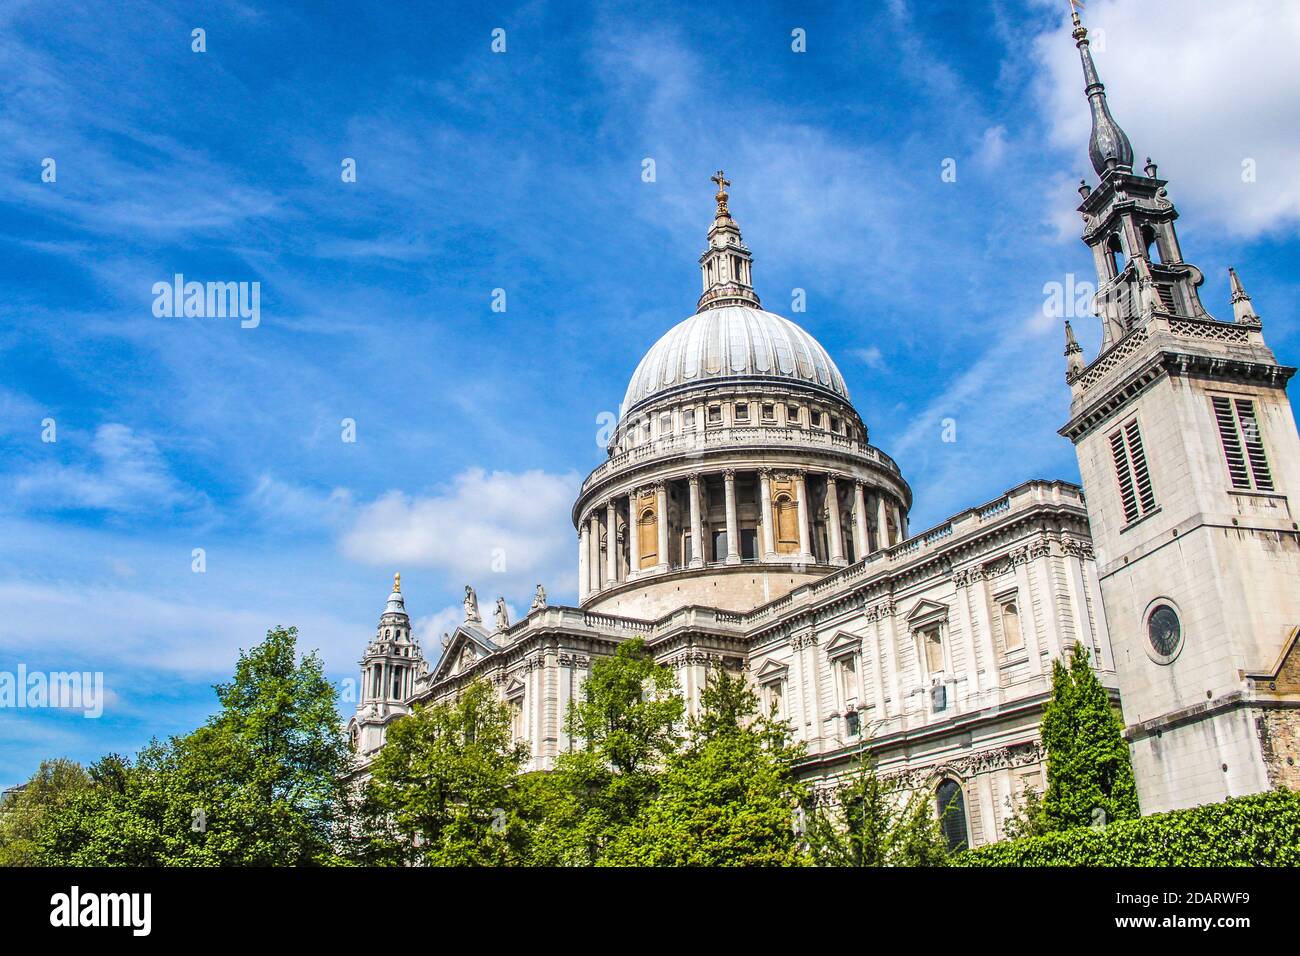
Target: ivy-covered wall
(1259, 830)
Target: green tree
(23, 810)
(871, 822)
(728, 798)
(625, 728)
(1088, 763)
(441, 791)
(261, 783)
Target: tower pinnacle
(1109, 148)
(1242, 311)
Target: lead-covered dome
(731, 343)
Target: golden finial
(1075, 6)
(721, 197)
(397, 582)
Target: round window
(1164, 632)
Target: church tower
(388, 673)
(1189, 456)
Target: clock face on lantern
(1164, 632)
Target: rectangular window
(776, 699)
(769, 413)
(719, 546)
(852, 723)
(715, 414)
(792, 414)
(688, 418)
(1243, 446)
(816, 418)
(742, 412)
(848, 673)
(930, 647)
(1136, 494)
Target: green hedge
(1259, 830)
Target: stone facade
(1188, 450)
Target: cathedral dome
(733, 343)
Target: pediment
(925, 610)
(466, 648)
(843, 643)
(770, 671)
(515, 688)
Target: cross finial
(720, 178)
(397, 582)
(1075, 7)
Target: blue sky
(522, 171)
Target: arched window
(1150, 241)
(952, 814)
(787, 525)
(648, 538)
(1116, 250)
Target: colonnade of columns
(732, 517)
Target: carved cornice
(881, 611)
(799, 641)
(968, 765)
(1077, 548)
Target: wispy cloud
(127, 473)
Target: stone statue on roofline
(472, 615)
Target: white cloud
(1200, 86)
(993, 146)
(90, 626)
(296, 506)
(503, 529)
(128, 474)
(871, 357)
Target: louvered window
(1166, 292)
(1136, 494)
(1243, 446)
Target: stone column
(733, 530)
(594, 564)
(801, 489)
(633, 536)
(611, 543)
(584, 555)
(661, 522)
(765, 497)
(882, 522)
(860, 521)
(900, 522)
(697, 524)
(836, 531)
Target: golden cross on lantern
(720, 178)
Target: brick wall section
(1279, 734)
